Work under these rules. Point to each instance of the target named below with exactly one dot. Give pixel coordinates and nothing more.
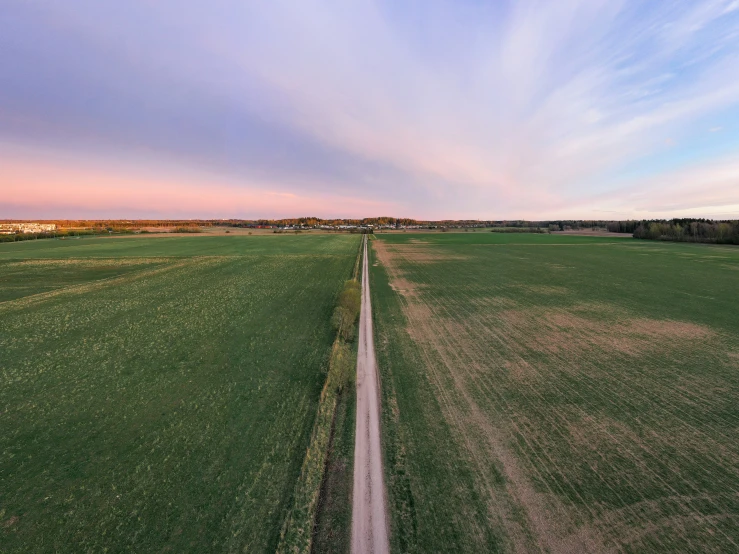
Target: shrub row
(347, 310)
(517, 230)
(16, 237)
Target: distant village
(13, 228)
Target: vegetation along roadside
(322, 496)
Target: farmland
(158, 394)
(558, 393)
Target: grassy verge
(297, 533)
(332, 531)
(323, 479)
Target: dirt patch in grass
(388, 258)
(427, 255)
(417, 311)
(562, 332)
(659, 521)
(555, 331)
(385, 257)
(493, 303)
(520, 370)
(544, 289)
(421, 253)
(404, 287)
(10, 522)
(85, 262)
(670, 329)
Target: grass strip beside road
(332, 531)
(336, 397)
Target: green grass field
(558, 393)
(158, 394)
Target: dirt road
(369, 518)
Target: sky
(431, 109)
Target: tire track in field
(83, 288)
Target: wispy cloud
(435, 109)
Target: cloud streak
(439, 109)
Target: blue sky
(465, 109)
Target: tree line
(690, 230)
(677, 229)
(19, 236)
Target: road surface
(369, 517)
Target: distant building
(12, 228)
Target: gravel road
(369, 517)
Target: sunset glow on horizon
(435, 110)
